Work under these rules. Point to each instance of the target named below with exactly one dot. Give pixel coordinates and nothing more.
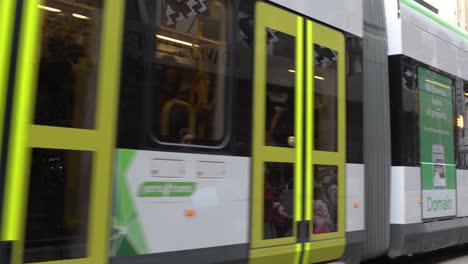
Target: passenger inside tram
(325, 199)
(170, 81)
(185, 104)
(280, 113)
(282, 217)
(278, 200)
(190, 87)
(322, 219)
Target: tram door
(299, 140)
(63, 117)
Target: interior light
(51, 9)
(460, 121)
(466, 94)
(319, 78)
(438, 84)
(80, 16)
(291, 71)
(177, 41)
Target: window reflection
(325, 199)
(190, 55)
(325, 94)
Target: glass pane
(354, 103)
(57, 216)
(191, 54)
(66, 92)
(278, 200)
(280, 88)
(325, 199)
(325, 103)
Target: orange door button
(189, 212)
(420, 201)
(356, 205)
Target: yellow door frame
(328, 246)
(320, 247)
(27, 135)
(7, 16)
(281, 250)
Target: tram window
(354, 105)
(325, 98)
(190, 89)
(57, 215)
(325, 199)
(280, 48)
(66, 92)
(278, 200)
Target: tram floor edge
(407, 239)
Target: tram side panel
(355, 176)
(424, 170)
(427, 73)
(182, 165)
(182, 175)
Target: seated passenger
(180, 113)
(203, 103)
(170, 81)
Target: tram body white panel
(462, 193)
(434, 51)
(405, 193)
(219, 201)
(393, 23)
(343, 14)
(420, 37)
(355, 195)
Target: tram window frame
(354, 100)
(403, 123)
(326, 101)
(280, 98)
(228, 81)
(70, 100)
(134, 127)
(49, 165)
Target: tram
(428, 90)
(130, 132)
(228, 131)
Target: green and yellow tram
(169, 131)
